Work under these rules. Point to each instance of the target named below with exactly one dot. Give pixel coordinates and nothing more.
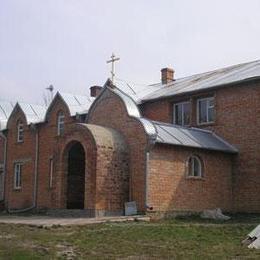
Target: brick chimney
(95, 90)
(167, 75)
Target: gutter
(35, 189)
(5, 152)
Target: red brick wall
(110, 111)
(238, 122)
(20, 152)
(2, 141)
(106, 174)
(48, 142)
(171, 190)
(158, 111)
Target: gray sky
(67, 42)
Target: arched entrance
(76, 177)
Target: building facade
(184, 145)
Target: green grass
(181, 238)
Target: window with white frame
(17, 175)
(182, 113)
(194, 167)
(60, 123)
(20, 132)
(205, 110)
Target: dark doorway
(76, 177)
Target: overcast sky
(67, 42)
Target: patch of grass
(181, 238)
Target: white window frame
(20, 132)
(60, 123)
(191, 174)
(17, 176)
(208, 99)
(182, 114)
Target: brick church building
(182, 145)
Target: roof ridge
(209, 71)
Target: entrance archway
(76, 177)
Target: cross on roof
(113, 59)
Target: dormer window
(60, 123)
(20, 132)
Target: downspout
(35, 188)
(5, 152)
(147, 172)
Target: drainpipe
(4, 169)
(35, 188)
(147, 160)
(147, 180)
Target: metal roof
(191, 137)
(6, 108)
(136, 91)
(129, 102)
(77, 104)
(207, 80)
(33, 113)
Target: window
(51, 172)
(182, 113)
(194, 167)
(17, 175)
(60, 123)
(206, 111)
(20, 132)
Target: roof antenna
(51, 88)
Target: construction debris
(253, 238)
(215, 214)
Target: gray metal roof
(136, 91)
(191, 137)
(207, 80)
(6, 108)
(34, 113)
(77, 104)
(130, 104)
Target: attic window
(20, 132)
(60, 123)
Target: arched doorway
(76, 177)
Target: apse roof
(191, 137)
(220, 77)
